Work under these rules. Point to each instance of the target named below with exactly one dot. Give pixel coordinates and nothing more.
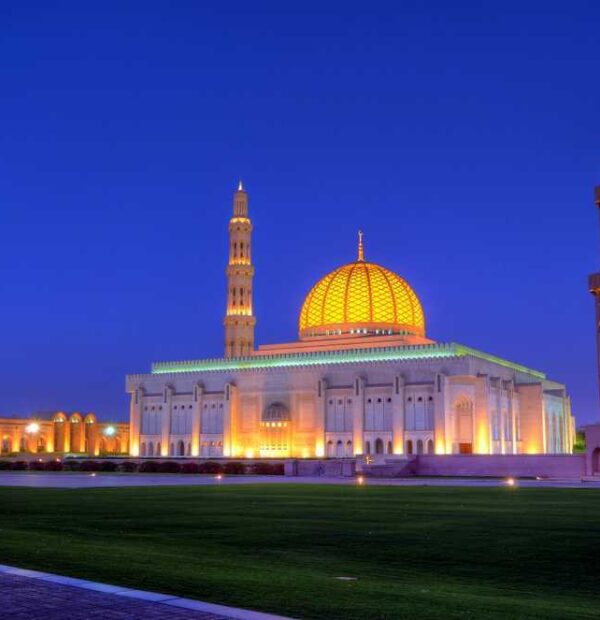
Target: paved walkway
(32, 595)
(66, 480)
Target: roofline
(325, 358)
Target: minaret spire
(361, 249)
(239, 318)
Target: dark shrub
(53, 466)
(267, 469)
(169, 467)
(148, 467)
(108, 466)
(71, 465)
(210, 467)
(89, 466)
(18, 465)
(5, 464)
(189, 468)
(234, 468)
(128, 466)
(36, 465)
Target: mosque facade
(363, 378)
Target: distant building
(63, 433)
(363, 378)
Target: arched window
(339, 449)
(349, 448)
(180, 448)
(150, 449)
(419, 446)
(430, 449)
(330, 448)
(409, 447)
(143, 449)
(390, 449)
(378, 446)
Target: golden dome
(361, 298)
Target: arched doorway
(349, 448)
(6, 445)
(390, 448)
(60, 431)
(419, 446)
(339, 449)
(180, 448)
(329, 452)
(430, 449)
(409, 447)
(75, 439)
(275, 428)
(464, 425)
(368, 447)
(378, 446)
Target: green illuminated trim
(382, 354)
(462, 350)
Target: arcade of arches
(63, 433)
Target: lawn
(416, 553)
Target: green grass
(416, 552)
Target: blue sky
(464, 141)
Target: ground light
(360, 480)
(510, 482)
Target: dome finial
(361, 250)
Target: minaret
(594, 286)
(239, 319)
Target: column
(196, 419)
(320, 414)
(136, 405)
(501, 413)
(358, 416)
(165, 420)
(513, 418)
(229, 418)
(398, 414)
(442, 418)
(482, 420)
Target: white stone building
(363, 378)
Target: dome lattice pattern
(361, 295)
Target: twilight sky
(465, 142)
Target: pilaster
(398, 401)
(136, 405)
(197, 418)
(358, 415)
(165, 419)
(320, 414)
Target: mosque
(363, 378)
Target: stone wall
(517, 465)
